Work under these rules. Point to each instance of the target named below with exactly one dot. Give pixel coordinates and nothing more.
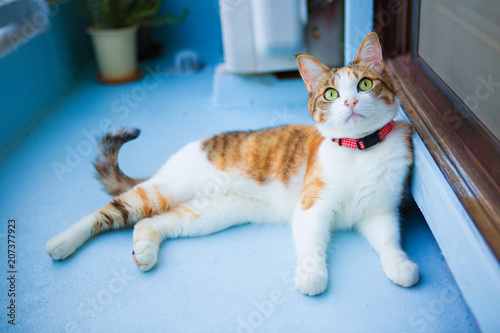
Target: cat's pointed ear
(311, 70)
(370, 52)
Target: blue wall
(34, 76)
(201, 28)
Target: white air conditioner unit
(265, 35)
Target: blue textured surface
(239, 280)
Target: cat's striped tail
(115, 182)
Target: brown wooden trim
(476, 187)
(470, 131)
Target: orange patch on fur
(183, 209)
(162, 201)
(271, 154)
(313, 181)
(266, 155)
(408, 129)
(148, 211)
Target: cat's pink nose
(351, 103)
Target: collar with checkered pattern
(367, 141)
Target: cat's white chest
(362, 183)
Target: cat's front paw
(61, 246)
(145, 255)
(311, 282)
(403, 273)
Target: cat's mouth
(354, 114)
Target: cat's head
(351, 101)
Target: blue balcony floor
(238, 280)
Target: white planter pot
(115, 50)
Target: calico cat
(318, 178)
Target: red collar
(367, 141)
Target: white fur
(362, 190)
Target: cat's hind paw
(61, 246)
(145, 255)
(312, 283)
(403, 273)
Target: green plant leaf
(163, 20)
(110, 14)
(84, 10)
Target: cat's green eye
(331, 94)
(365, 84)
